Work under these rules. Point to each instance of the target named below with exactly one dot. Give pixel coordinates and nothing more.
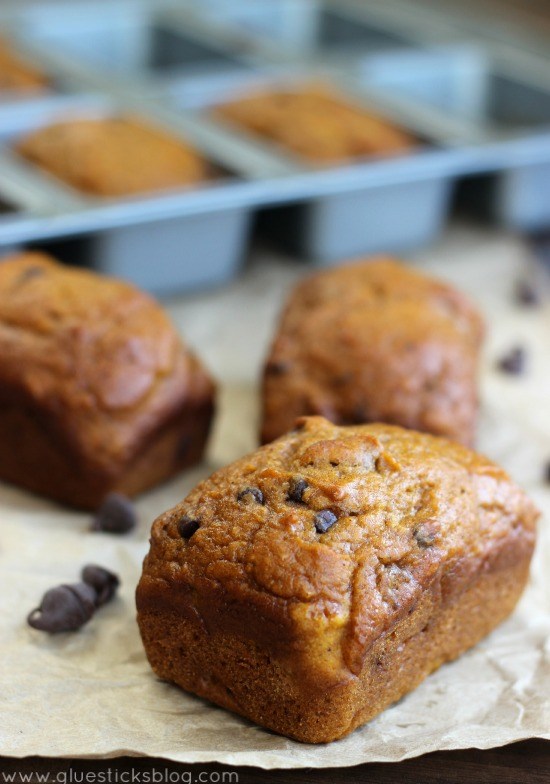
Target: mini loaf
(114, 157)
(375, 342)
(97, 391)
(16, 74)
(316, 124)
(313, 583)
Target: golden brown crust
(261, 613)
(16, 74)
(375, 341)
(94, 382)
(317, 124)
(114, 157)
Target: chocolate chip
(527, 294)
(64, 609)
(28, 274)
(187, 527)
(324, 520)
(253, 493)
(104, 583)
(275, 368)
(116, 515)
(296, 488)
(182, 449)
(513, 362)
(425, 535)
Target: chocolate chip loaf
(97, 391)
(116, 156)
(313, 583)
(375, 341)
(315, 123)
(16, 74)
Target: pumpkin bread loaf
(97, 391)
(375, 341)
(114, 157)
(316, 124)
(316, 581)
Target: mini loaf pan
(503, 108)
(462, 103)
(370, 205)
(318, 30)
(134, 44)
(163, 241)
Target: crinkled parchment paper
(92, 694)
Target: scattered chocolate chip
(324, 520)
(296, 488)
(425, 535)
(116, 515)
(104, 583)
(253, 493)
(526, 293)
(187, 527)
(275, 368)
(513, 362)
(64, 609)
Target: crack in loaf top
(97, 354)
(337, 531)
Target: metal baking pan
(128, 55)
(159, 241)
(503, 108)
(323, 30)
(355, 216)
(132, 43)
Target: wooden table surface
(527, 762)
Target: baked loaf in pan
(115, 156)
(97, 391)
(313, 583)
(375, 341)
(317, 124)
(16, 74)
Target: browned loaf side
(375, 341)
(97, 391)
(426, 548)
(115, 156)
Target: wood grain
(527, 762)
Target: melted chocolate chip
(187, 527)
(182, 449)
(104, 583)
(253, 493)
(277, 368)
(116, 515)
(513, 362)
(296, 488)
(324, 520)
(64, 609)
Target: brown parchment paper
(92, 694)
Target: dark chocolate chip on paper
(64, 609)
(116, 515)
(104, 582)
